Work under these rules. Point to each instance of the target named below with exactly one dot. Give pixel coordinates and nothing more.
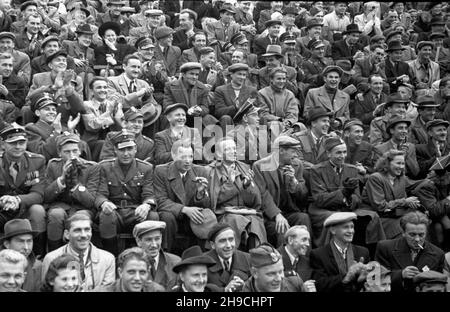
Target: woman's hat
(108, 25)
(192, 256)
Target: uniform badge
(274, 257)
(81, 188)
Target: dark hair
(200, 32)
(414, 217)
(130, 57)
(132, 253)
(383, 163)
(64, 261)
(277, 70)
(95, 79)
(374, 76)
(76, 217)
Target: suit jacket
(260, 45)
(118, 85)
(361, 153)
(302, 44)
(341, 51)
(145, 147)
(318, 97)
(392, 73)
(172, 59)
(272, 111)
(364, 69)
(217, 31)
(266, 177)
(313, 68)
(23, 43)
(240, 266)
(29, 185)
(164, 141)
(189, 55)
(326, 271)
(125, 189)
(395, 255)
(171, 194)
(164, 273)
(426, 156)
(89, 177)
(101, 263)
(17, 90)
(225, 99)
(21, 65)
(302, 269)
(174, 92)
(309, 153)
(181, 40)
(365, 105)
(418, 133)
(73, 49)
(412, 167)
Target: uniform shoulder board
(90, 162)
(360, 97)
(1, 154)
(147, 138)
(107, 160)
(143, 162)
(35, 155)
(54, 160)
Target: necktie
(81, 260)
(396, 67)
(294, 265)
(414, 254)
(184, 178)
(318, 141)
(227, 265)
(152, 268)
(132, 86)
(13, 170)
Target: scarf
(343, 264)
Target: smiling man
(12, 270)
(424, 71)
(148, 235)
(417, 254)
(97, 266)
(125, 193)
(133, 267)
(268, 272)
(359, 151)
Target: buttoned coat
(89, 177)
(164, 141)
(260, 45)
(172, 59)
(170, 193)
(174, 92)
(433, 72)
(318, 97)
(217, 31)
(225, 99)
(266, 177)
(302, 269)
(21, 65)
(364, 69)
(418, 133)
(135, 186)
(164, 274)
(240, 266)
(189, 55)
(392, 73)
(395, 255)
(365, 105)
(309, 154)
(145, 147)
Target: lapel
(232, 95)
(22, 174)
(243, 95)
(176, 183)
(333, 175)
(331, 259)
(323, 97)
(223, 275)
(184, 91)
(161, 274)
(286, 260)
(401, 253)
(215, 184)
(123, 83)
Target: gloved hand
(350, 185)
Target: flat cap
(153, 12)
(313, 23)
(377, 38)
(26, 4)
(217, 229)
(332, 68)
(430, 277)
(147, 226)
(238, 38)
(47, 40)
(13, 133)
(392, 33)
(395, 98)
(162, 32)
(437, 122)
(55, 55)
(7, 34)
(227, 8)
(270, 23)
(285, 141)
(206, 50)
(332, 142)
(396, 120)
(353, 122)
(263, 255)
(189, 66)
(132, 114)
(422, 44)
(67, 137)
(123, 139)
(317, 112)
(339, 218)
(290, 10)
(315, 44)
(237, 67)
(174, 106)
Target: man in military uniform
(134, 123)
(316, 63)
(71, 184)
(125, 193)
(21, 184)
(268, 273)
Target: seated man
(430, 281)
(347, 48)
(232, 266)
(97, 266)
(235, 198)
(314, 65)
(71, 186)
(339, 265)
(148, 236)
(268, 273)
(295, 252)
(22, 192)
(18, 236)
(21, 65)
(12, 88)
(229, 98)
(424, 71)
(133, 267)
(415, 252)
(279, 177)
(180, 197)
(13, 266)
(397, 129)
(369, 66)
(164, 140)
(125, 193)
(192, 272)
(359, 151)
(335, 187)
(133, 121)
(426, 107)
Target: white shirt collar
(342, 251)
(128, 80)
(222, 261)
(291, 256)
(156, 261)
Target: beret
(430, 277)
(174, 106)
(162, 32)
(147, 226)
(437, 122)
(339, 218)
(217, 229)
(67, 137)
(285, 141)
(189, 66)
(206, 50)
(238, 66)
(263, 255)
(13, 133)
(47, 40)
(332, 142)
(132, 114)
(123, 139)
(55, 55)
